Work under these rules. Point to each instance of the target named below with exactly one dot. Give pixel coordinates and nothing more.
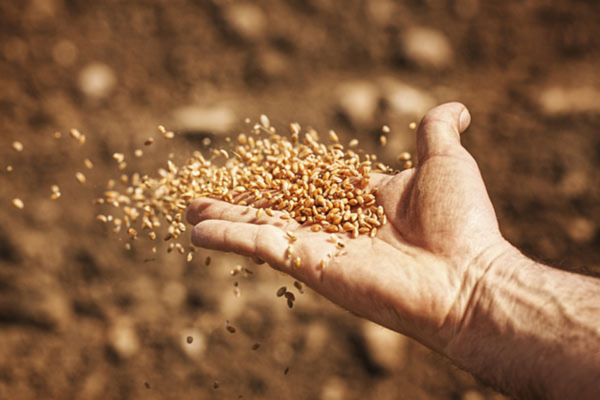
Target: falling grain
(229, 327)
(18, 203)
(333, 136)
(404, 156)
(80, 177)
(17, 146)
(88, 164)
(264, 120)
(298, 286)
(236, 270)
(75, 134)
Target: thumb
(440, 129)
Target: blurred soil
(83, 318)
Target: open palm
(417, 275)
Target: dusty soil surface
(82, 317)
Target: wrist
(491, 269)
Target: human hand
(418, 273)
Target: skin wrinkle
(472, 301)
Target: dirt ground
(83, 318)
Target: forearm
(532, 331)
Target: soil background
(81, 317)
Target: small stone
(386, 348)
(97, 80)
(194, 119)
(123, 338)
(334, 388)
(358, 102)
(406, 100)
(569, 100)
(426, 48)
(246, 20)
(581, 230)
(269, 64)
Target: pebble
(406, 100)
(426, 48)
(334, 388)
(581, 230)
(200, 120)
(575, 183)
(386, 348)
(270, 64)
(358, 101)
(246, 20)
(557, 100)
(173, 293)
(123, 338)
(97, 80)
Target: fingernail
(464, 120)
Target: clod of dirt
(334, 388)
(581, 230)
(268, 64)
(426, 48)
(404, 99)
(561, 101)
(245, 20)
(386, 348)
(357, 102)
(97, 80)
(122, 338)
(196, 119)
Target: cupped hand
(417, 275)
